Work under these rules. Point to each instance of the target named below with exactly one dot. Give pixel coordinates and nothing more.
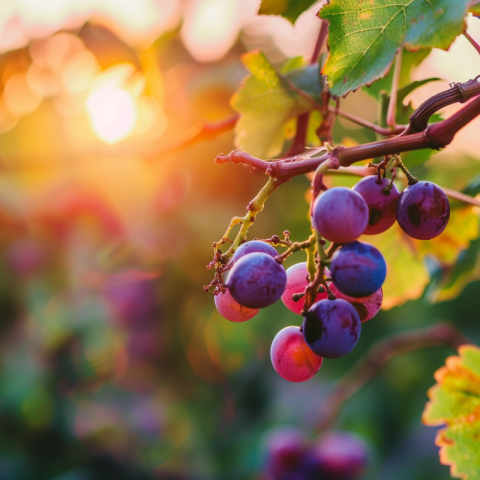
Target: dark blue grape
(381, 206)
(339, 456)
(423, 210)
(257, 280)
(358, 269)
(331, 328)
(340, 215)
(252, 247)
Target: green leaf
(455, 402)
(365, 36)
(409, 61)
(473, 188)
(289, 9)
(266, 104)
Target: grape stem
(376, 358)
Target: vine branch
(376, 358)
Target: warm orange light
(112, 113)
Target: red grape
(366, 307)
(297, 280)
(291, 357)
(381, 206)
(230, 309)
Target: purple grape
(339, 455)
(358, 269)
(332, 328)
(291, 357)
(423, 210)
(381, 207)
(257, 280)
(231, 309)
(340, 215)
(366, 307)
(252, 247)
(286, 453)
(297, 280)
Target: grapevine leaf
(365, 36)
(289, 9)
(401, 254)
(266, 104)
(452, 279)
(473, 188)
(455, 402)
(409, 61)
(475, 9)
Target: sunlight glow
(112, 113)
(211, 28)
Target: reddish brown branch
(435, 136)
(376, 358)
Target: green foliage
(365, 36)
(266, 103)
(455, 402)
(409, 61)
(289, 9)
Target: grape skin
(381, 207)
(230, 309)
(340, 215)
(291, 357)
(252, 247)
(257, 280)
(297, 280)
(358, 269)
(332, 328)
(423, 210)
(366, 307)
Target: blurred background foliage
(114, 363)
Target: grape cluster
(334, 455)
(349, 291)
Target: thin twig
(392, 106)
(386, 132)
(376, 358)
(472, 41)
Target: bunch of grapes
(333, 456)
(337, 299)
